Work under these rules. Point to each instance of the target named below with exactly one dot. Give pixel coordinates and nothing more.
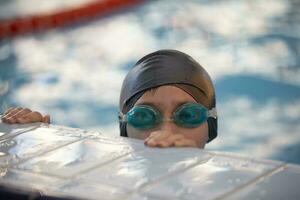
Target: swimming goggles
(188, 115)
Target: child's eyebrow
(159, 105)
(180, 103)
(148, 103)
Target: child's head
(161, 90)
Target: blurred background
(250, 49)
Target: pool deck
(49, 160)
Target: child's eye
(143, 117)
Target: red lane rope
(19, 26)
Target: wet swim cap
(168, 67)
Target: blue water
(251, 49)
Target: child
(167, 99)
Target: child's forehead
(165, 95)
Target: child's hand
(23, 116)
(166, 139)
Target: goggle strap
(122, 117)
(213, 113)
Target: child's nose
(170, 127)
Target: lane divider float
(19, 26)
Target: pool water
(250, 49)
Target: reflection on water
(250, 48)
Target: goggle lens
(143, 117)
(189, 115)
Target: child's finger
(164, 143)
(46, 119)
(8, 110)
(168, 141)
(154, 141)
(20, 113)
(185, 143)
(162, 135)
(30, 118)
(164, 140)
(153, 137)
(150, 137)
(10, 113)
(176, 140)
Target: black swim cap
(168, 67)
